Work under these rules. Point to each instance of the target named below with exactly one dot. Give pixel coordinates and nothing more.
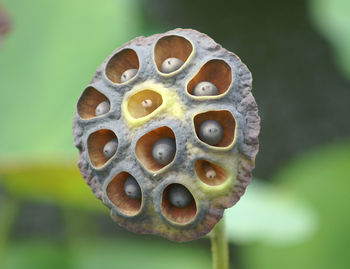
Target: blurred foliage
(121, 253)
(61, 183)
(332, 18)
(271, 215)
(47, 60)
(321, 177)
(56, 182)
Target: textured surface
(177, 111)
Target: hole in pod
(156, 149)
(210, 173)
(171, 52)
(178, 204)
(143, 103)
(123, 66)
(215, 128)
(102, 145)
(214, 78)
(92, 103)
(125, 193)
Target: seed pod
(183, 172)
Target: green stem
(219, 247)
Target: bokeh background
(295, 214)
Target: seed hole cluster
(154, 144)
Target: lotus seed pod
(179, 196)
(171, 65)
(205, 88)
(132, 188)
(164, 150)
(199, 173)
(210, 132)
(110, 148)
(102, 108)
(128, 74)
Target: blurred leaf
(270, 215)
(34, 255)
(47, 60)
(57, 181)
(121, 253)
(323, 178)
(332, 18)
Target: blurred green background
(295, 214)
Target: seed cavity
(92, 103)
(215, 128)
(171, 52)
(215, 77)
(210, 173)
(144, 103)
(123, 66)
(102, 145)
(156, 149)
(178, 204)
(125, 194)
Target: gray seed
(163, 150)
(132, 188)
(102, 108)
(205, 88)
(210, 132)
(110, 148)
(171, 65)
(128, 74)
(179, 196)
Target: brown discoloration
(171, 47)
(96, 143)
(205, 168)
(226, 120)
(88, 102)
(115, 193)
(177, 214)
(144, 146)
(215, 71)
(120, 62)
